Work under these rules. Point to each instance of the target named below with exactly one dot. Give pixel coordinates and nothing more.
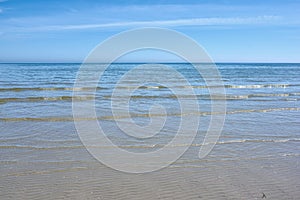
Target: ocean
(257, 152)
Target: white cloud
(169, 23)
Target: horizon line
(231, 62)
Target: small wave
(290, 154)
(21, 89)
(292, 99)
(205, 97)
(270, 95)
(44, 119)
(264, 110)
(208, 96)
(259, 140)
(152, 87)
(295, 94)
(39, 148)
(153, 146)
(59, 119)
(214, 86)
(37, 99)
(260, 86)
(249, 86)
(4, 139)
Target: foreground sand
(277, 178)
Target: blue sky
(230, 31)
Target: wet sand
(276, 177)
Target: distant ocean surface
(260, 141)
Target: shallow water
(257, 152)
